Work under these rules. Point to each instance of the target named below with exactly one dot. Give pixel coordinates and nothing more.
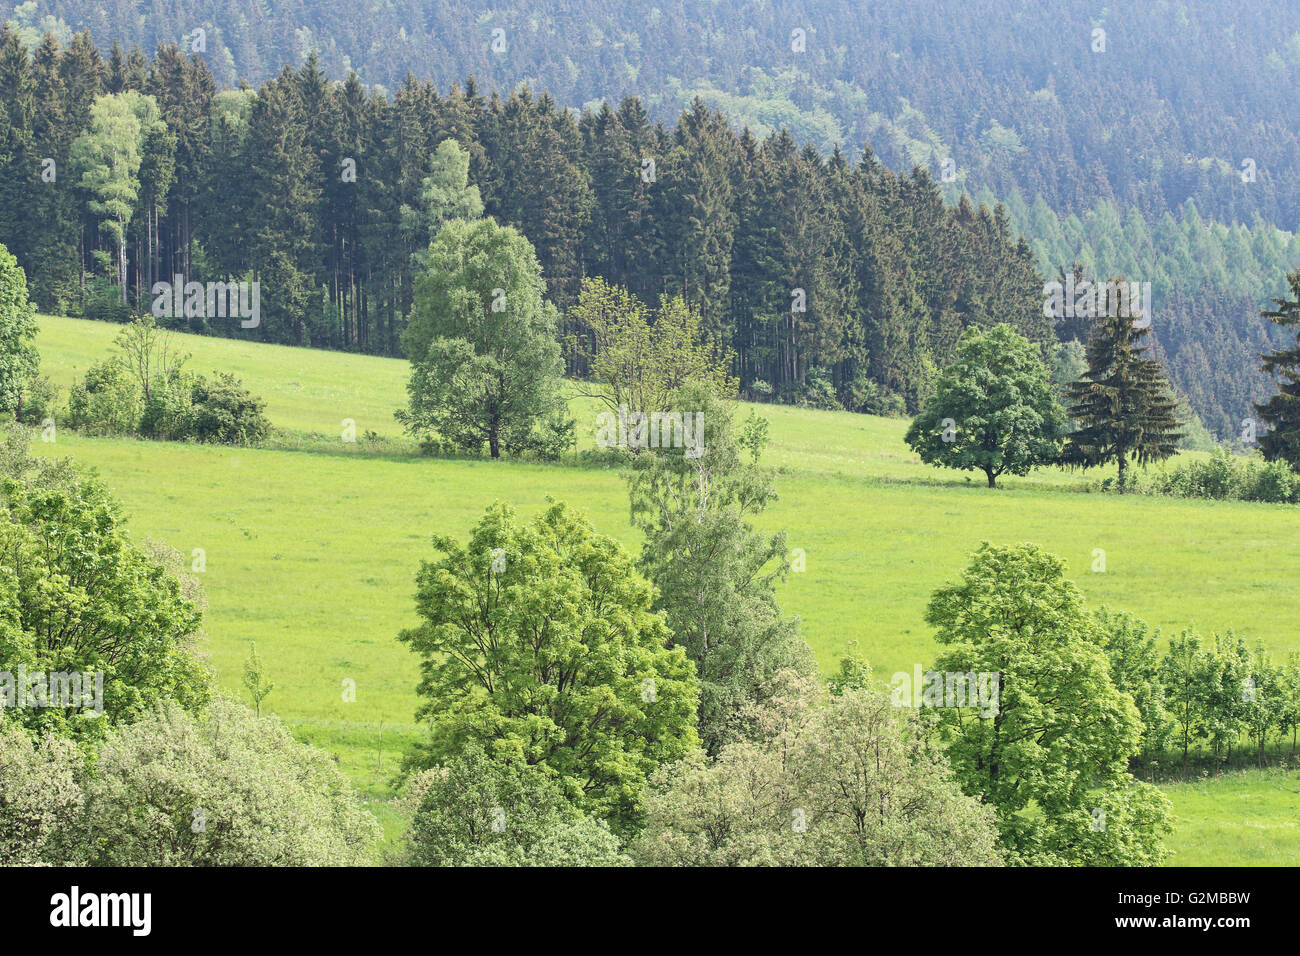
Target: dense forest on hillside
(818, 274)
(1165, 105)
(243, 182)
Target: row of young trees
(813, 271)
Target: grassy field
(312, 553)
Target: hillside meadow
(311, 550)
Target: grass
(312, 553)
(1249, 818)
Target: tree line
(813, 271)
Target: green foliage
(18, 358)
(994, 409)
(106, 402)
(853, 783)
(714, 573)
(1282, 411)
(255, 682)
(1223, 477)
(39, 795)
(446, 193)
(638, 359)
(486, 366)
(80, 597)
(1122, 405)
(225, 789)
(1061, 734)
(148, 394)
(1135, 663)
(539, 644)
(480, 811)
(226, 413)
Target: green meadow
(311, 549)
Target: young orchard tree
(1060, 735)
(485, 361)
(1281, 413)
(994, 409)
(538, 642)
(1123, 403)
(1189, 675)
(18, 358)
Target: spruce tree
(1123, 402)
(1282, 412)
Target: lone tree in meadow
(539, 644)
(18, 359)
(1123, 403)
(1282, 412)
(994, 409)
(485, 360)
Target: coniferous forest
(647, 187)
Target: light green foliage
(486, 366)
(639, 358)
(226, 789)
(1223, 476)
(144, 390)
(255, 682)
(714, 572)
(994, 409)
(1133, 652)
(108, 156)
(854, 782)
(39, 795)
(107, 401)
(1059, 740)
(18, 358)
(446, 193)
(1189, 675)
(77, 596)
(480, 811)
(538, 643)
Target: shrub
(104, 303)
(106, 402)
(226, 413)
(169, 411)
(39, 795)
(480, 811)
(1223, 477)
(819, 391)
(225, 789)
(38, 401)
